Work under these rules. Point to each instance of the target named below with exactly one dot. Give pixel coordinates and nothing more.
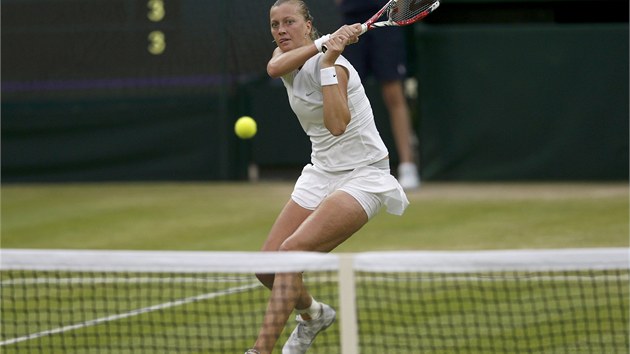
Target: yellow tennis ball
(245, 127)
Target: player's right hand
(351, 32)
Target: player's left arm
(336, 111)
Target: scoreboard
(81, 45)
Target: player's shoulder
(312, 65)
(343, 62)
(314, 62)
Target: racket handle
(364, 29)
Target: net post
(347, 305)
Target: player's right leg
(289, 219)
(287, 290)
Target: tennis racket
(401, 13)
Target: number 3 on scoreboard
(157, 39)
(157, 42)
(156, 10)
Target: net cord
(165, 261)
(269, 262)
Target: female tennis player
(348, 179)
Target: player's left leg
(338, 217)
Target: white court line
(130, 314)
(125, 280)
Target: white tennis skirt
(372, 186)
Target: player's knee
(266, 279)
(288, 246)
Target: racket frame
(372, 22)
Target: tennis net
(543, 301)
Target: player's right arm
(282, 63)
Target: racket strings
(404, 10)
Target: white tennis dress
(350, 161)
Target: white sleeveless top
(360, 144)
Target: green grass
(506, 313)
(237, 216)
(478, 314)
(186, 327)
(482, 316)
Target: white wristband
(319, 42)
(328, 76)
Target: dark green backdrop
(524, 101)
(508, 90)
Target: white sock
(314, 311)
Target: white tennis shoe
(306, 331)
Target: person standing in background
(382, 54)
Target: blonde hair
(304, 11)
